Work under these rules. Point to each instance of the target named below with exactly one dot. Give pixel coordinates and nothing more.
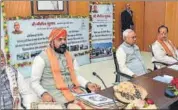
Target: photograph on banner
(101, 32)
(17, 29)
(102, 12)
(27, 38)
(101, 51)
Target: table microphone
(95, 74)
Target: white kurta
(37, 71)
(121, 60)
(22, 87)
(160, 54)
(130, 60)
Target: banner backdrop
(2, 33)
(101, 32)
(27, 38)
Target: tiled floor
(105, 70)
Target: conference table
(154, 88)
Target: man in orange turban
(53, 74)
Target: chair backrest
(115, 62)
(150, 46)
(119, 74)
(116, 67)
(156, 62)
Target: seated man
(163, 49)
(129, 57)
(53, 73)
(13, 89)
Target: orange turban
(57, 33)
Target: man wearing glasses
(128, 55)
(163, 49)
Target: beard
(61, 49)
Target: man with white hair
(129, 57)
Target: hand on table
(46, 97)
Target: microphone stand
(100, 79)
(113, 98)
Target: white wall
(105, 69)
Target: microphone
(95, 74)
(113, 98)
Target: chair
(156, 62)
(118, 73)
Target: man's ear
(51, 44)
(124, 38)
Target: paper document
(165, 78)
(174, 67)
(95, 99)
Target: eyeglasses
(133, 37)
(163, 33)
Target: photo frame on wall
(46, 7)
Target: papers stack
(174, 67)
(165, 78)
(96, 101)
(46, 105)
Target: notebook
(174, 67)
(165, 78)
